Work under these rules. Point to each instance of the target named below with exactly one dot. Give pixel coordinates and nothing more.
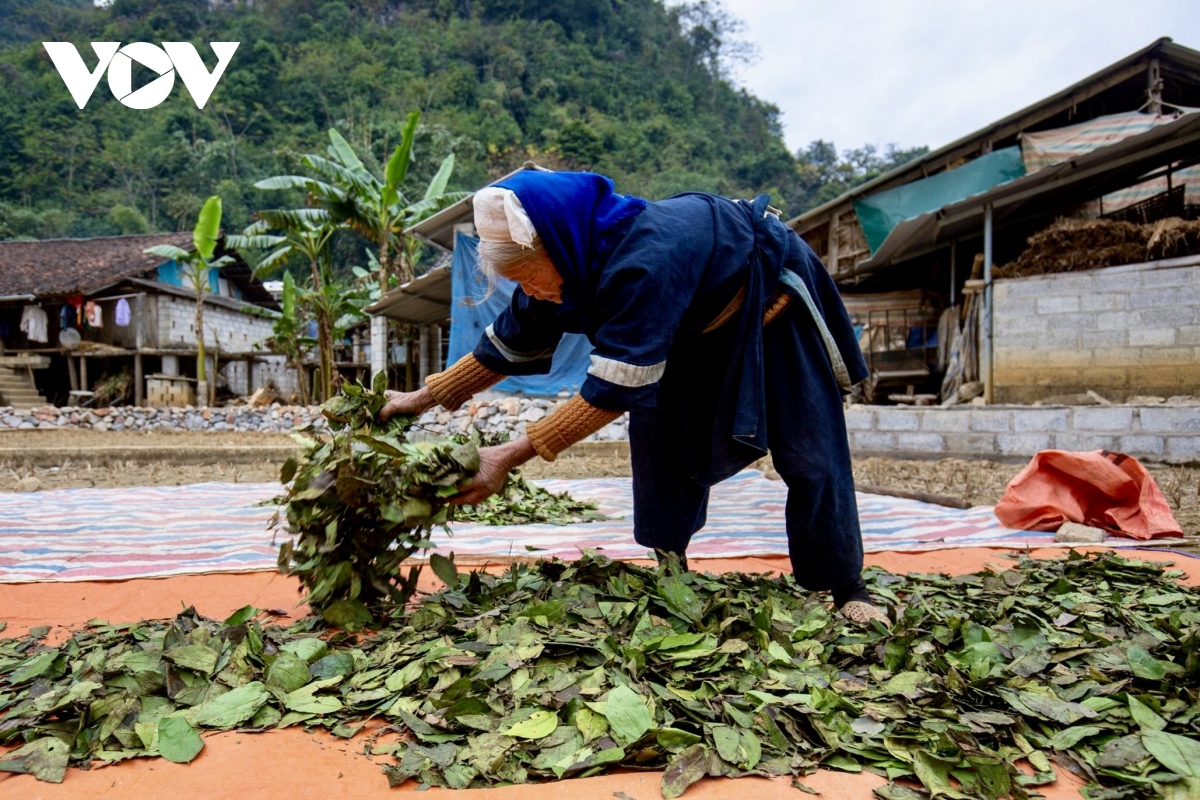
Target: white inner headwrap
(500, 217)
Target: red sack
(1102, 489)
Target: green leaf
(1179, 754)
(1144, 716)
(168, 251)
(1048, 707)
(349, 615)
(680, 597)
(1145, 665)
(177, 740)
(288, 673)
(396, 170)
(242, 616)
(33, 667)
(444, 568)
(232, 708)
(197, 657)
(537, 725)
(674, 739)
(437, 186)
(208, 228)
(627, 715)
(309, 648)
(45, 759)
(727, 742)
(306, 701)
(934, 775)
(685, 769)
(344, 153)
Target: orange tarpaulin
(1101, 488)
(293, 763)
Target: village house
(1115, 318)
(81, 316)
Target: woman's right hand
(416, 402)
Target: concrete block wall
(1162, 433)
(234, 331)
(1119, 332)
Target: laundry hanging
(35, 324)
(94, 314)
(123, 315)
(76, 302)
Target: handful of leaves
(1089, 664)
(365, 499)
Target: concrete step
(17, 391)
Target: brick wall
(1119, 332)
(1169, 433)
(234, 331)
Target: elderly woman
(713, 324)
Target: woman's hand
(494, 465)
(416, 402)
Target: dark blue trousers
(806, 433)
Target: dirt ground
(977, 482)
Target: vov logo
(172, 57)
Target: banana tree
(374, 206)
(288, 333)
(305, 232)
(199, 265)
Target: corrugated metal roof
(1090, 175)
(1184, 57)
(422, 300)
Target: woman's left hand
(494, 465)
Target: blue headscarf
(574, 214)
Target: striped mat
(118, 534)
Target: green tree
(199, 265)
(374, 206)
(304, 232)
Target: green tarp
(881, 212)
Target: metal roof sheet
(422, 300)
(1079, 179)
(1184, 57)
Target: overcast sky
(925, 72)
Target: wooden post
(1154, 87)
(985, 361)
(953, 274)
(83, 376)
(71, 371)
(139, 397)
(425, 345)
(835, 224)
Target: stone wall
(1160, 432)
(275, 419)
(1117, 331)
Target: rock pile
(509, 415)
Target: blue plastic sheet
(881, 212)
(472, 310)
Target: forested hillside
(630, 88)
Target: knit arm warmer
(571, 422)
(454, 386)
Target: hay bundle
(1070, 245)
(1173, 238)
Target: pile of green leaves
(1089, 664)
(364, 499)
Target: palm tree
(198, 264)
